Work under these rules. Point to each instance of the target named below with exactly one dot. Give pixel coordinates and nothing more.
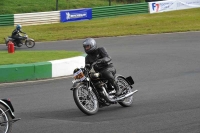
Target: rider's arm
(87, 62)
(22, 32)
(105, 57)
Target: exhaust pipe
(115, 99)
(127, 95)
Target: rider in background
(15, 34)
(104, 65)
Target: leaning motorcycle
(91, 91)
(7, 117)
(25, 40)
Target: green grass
(35, 56)
(26, 6)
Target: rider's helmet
(89, 45)
(18, 27)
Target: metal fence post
(56, 5)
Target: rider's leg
(109, 73)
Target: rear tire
(124, 85)
(5, 120)
(86, 100)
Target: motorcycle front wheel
(86, 100)
(5, 120)
(123, 84)
(30, 43)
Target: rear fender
(128, 79)
(8, 39)
(8, 105)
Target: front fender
(75, 85)
(8, 105)
(30, 39)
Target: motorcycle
(7, 117)
(24, 40)
(91, 91)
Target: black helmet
(89, 45)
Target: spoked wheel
(5, 120)
(123, 84)
(86, 100)
(30, 43)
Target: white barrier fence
(37, 18)
(171, 5)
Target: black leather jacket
(99, 55)
(16, 32)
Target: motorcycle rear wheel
(123, 84)
(30, 43)
(5, 120)
(86, 100)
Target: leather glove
(87, 66)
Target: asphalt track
(166, 70)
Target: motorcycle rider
(15, 34)
(104, 65)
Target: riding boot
(118, 90)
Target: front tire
(5, 120)
(126, 88)
(30, 43)
(86, 100)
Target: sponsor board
(170, 5)
(75, 15)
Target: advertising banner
(162, 6)
(186, 4)
(170, 5)
(75, 15)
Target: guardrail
(7, 20)
(109, 11)
(37, 18)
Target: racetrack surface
(166, 70)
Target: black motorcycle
(91, 91)
(7, 117)
(24, 40)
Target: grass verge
(35, 56)
(27, 6)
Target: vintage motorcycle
(25, 40)
(7, 117)
(91, 91)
